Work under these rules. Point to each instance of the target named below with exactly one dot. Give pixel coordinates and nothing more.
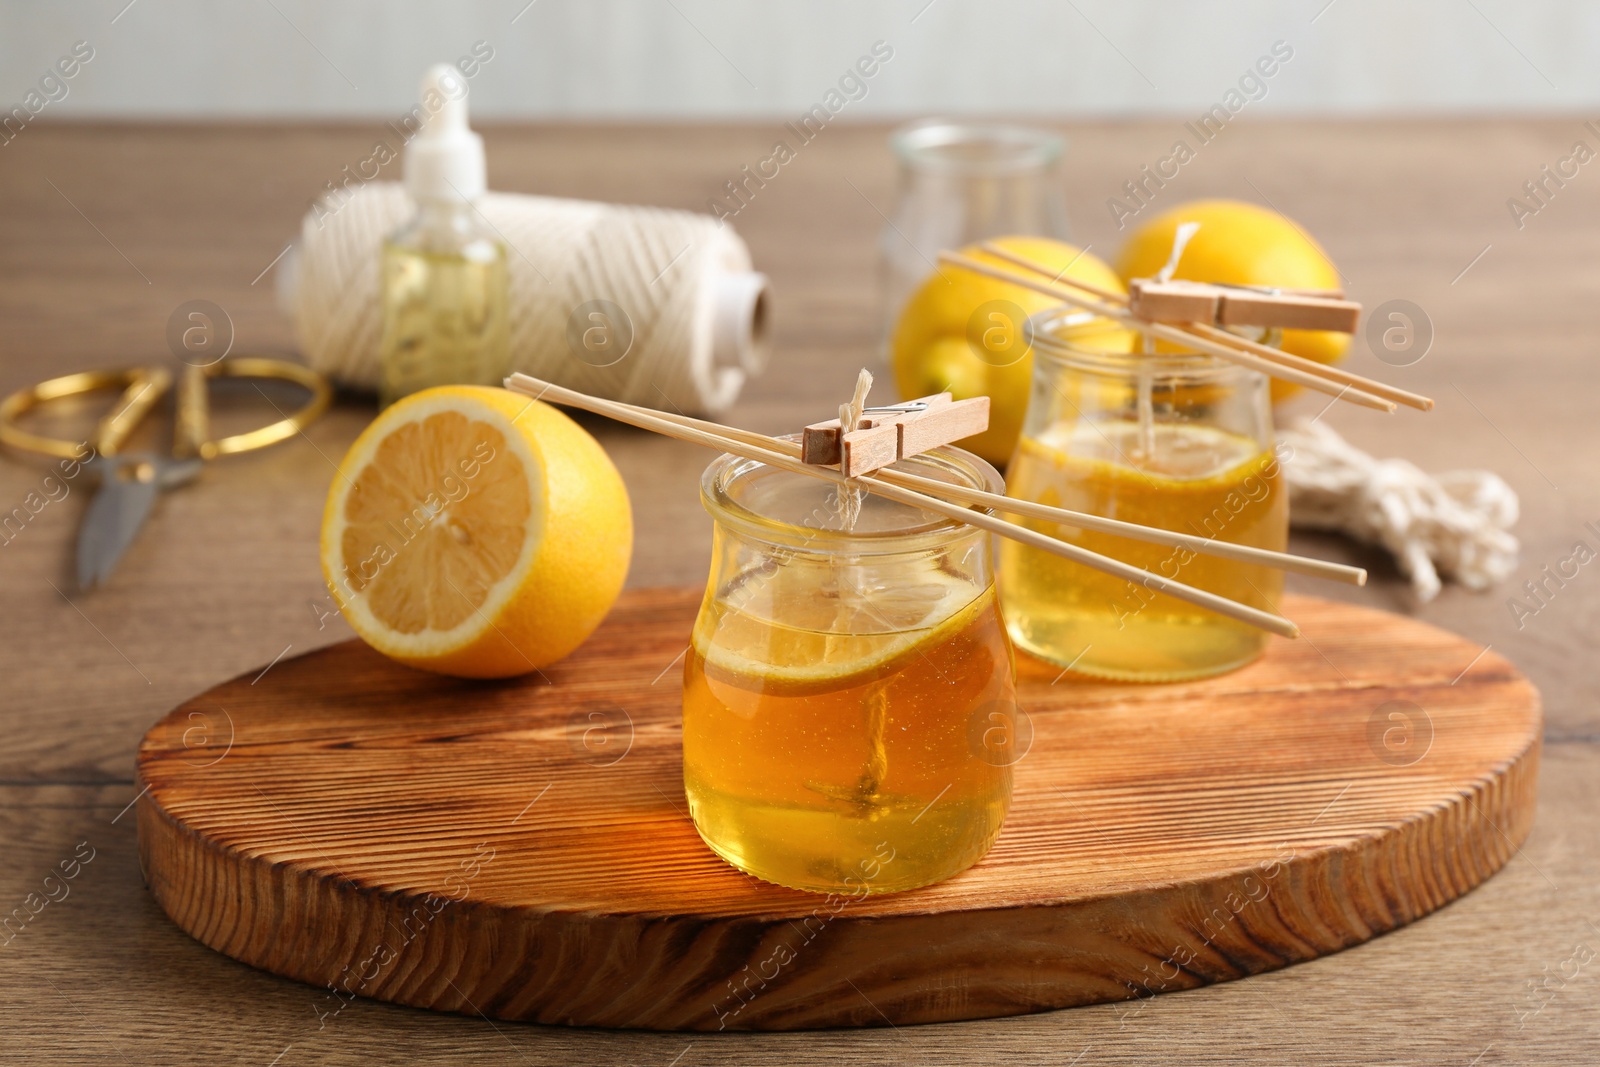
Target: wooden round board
(523, 849)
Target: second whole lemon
(963, 332)
(1241, 244)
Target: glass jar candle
(847, 693)
(1174, 439)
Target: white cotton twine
(661, 266)
(1456, 523)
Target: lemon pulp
(435, 522)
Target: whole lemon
(1241, 244)
(963, 333)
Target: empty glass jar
(962, 182)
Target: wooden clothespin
(1238, 305)
(893, 432)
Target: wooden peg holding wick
(1235, 305)
(893, 432)
(819, 442)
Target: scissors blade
(120, 507)
(115, 515)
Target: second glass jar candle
(1177, 440)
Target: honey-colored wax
(1193, 479)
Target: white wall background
(696, 59)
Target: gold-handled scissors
(130, 483)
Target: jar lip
(925, 145)
(956, 464)
(1080, 353)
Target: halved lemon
(475, 532)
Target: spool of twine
(645, 305)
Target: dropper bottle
(445, 298)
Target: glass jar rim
(1076, 350)
(957, 466)
(1015, 149)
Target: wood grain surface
(523, 849)
(226, 577)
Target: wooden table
(104, 230)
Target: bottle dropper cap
(444, 161)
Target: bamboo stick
(1168, 333)
(725, 442)
(1215, 333)
(1315, 568)
(1285, 561)
(1056, 277)
(1333, 374)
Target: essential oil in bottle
(445, 296)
